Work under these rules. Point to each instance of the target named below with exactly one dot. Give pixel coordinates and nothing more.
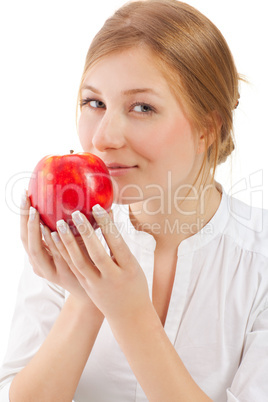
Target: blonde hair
(192, 54)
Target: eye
(96, 104)
(142, 108)
(93, 103)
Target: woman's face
(133, 122)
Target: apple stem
(71, 151)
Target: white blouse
(217, 318)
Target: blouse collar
(146, 241)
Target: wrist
(135, 321)
(85, 309)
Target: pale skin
(136, 121)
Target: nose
(109, 134)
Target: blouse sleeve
(37, 307)
(251, 380)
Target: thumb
(111, 215)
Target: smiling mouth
(118, 170)
(119, 166)
(115, 165)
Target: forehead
(136, 67)
(129, 66)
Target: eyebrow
(126, 92)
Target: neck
(172, 222)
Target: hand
(49, 258)
(117, 284)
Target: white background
(43, 48)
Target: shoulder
(247, 226)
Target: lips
(117, 169)
(116, 165)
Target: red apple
(62, 184)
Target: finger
(60, 253)
(118, 247)
(78, 258)
(111, 214)
(49, 243)
(93, 245)
(59, 250)
(63, 268)
(39, 256)
(24, 215)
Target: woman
(167, 301)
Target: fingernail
(77, 218)
(32, 213)
(62, 226)
(23, 201)
(42, 229)
(55, 237)
(98, 211)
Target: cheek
(173, 143)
